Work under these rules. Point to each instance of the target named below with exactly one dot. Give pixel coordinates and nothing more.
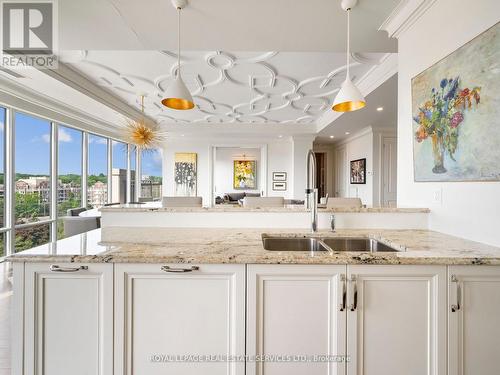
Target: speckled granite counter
(218, 246)
(236, 208)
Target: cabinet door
(396, 320)
(473, 318)
(294, 310)
(166, 321)
(68, 319)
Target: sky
(32, 148)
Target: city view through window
(34, 217)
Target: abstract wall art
(185, 174)
(456, 114)
(358, 171)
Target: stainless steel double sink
(324, 244)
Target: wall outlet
(438, 196)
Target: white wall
(199, 146)
(468, 209)
(360, 146)
(224, 165)
(280, 152)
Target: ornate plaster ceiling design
(239, 88)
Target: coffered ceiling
(228, 87)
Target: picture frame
(279, 186)
(245, 175)
(279, 176)
(185, 174)
(459, 144)
(358, 171)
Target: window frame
(9, 138)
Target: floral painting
(185, 174)
(456, 111)
(244, 176)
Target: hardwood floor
(5, 313)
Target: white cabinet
(163, 314)
(398, 325)
(294, 310)
(474, 320)
(68, 321)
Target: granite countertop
(218, 246)
(236, 208)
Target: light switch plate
(438, 196)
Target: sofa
(234, 198)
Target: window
(69, 172)
(151, 179)
(32, 179)
(97, 182)
(133, 156)
(2, 179)
(119, 172)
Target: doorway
(321, 174)
(340, 172)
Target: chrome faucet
(311, 190)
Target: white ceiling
(239, 88)
(229, 25)
(385, 96)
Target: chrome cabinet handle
(354, 304)
(458, 305)
(56, 268)
(179, 270)
(344, 292)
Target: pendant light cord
(178, 42)
(348, 46)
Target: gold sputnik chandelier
(145, 136)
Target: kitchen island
(132, 300)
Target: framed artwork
(279, 186)
(455, 112)
(245, 175)
(279, 176)
(185, 174)
(358, 171)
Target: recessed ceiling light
(182, 135)
(280, 136)
(380, 109)
(332, 136)
(347, 133)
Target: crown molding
(75, 80)
(22, 98)
(406, 13)
(372, 79)
(365, 131)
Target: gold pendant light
(144, 136)
(177, 96)
(349, 98)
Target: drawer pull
(56, 268)
(354, 304)
(179, 270)
(344, 292)
(458, 305)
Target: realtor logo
(28, 34)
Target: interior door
(341, 172)
(396, 320)
(389, 171)
(473, 319)
(295, 325)
(321, 174)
